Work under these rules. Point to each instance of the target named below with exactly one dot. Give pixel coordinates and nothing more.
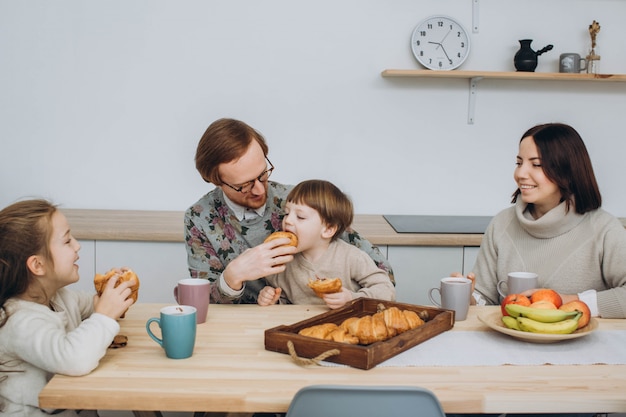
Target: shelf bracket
(473, 88)
(475, 16)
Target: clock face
(440, 43)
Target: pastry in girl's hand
(100, 282)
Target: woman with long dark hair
(556, 227)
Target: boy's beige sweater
(357, 271)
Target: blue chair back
(364, 401)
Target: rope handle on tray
(306, 361)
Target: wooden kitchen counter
(167, 226)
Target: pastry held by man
(323, 286)
(293, 239)
(125, 274)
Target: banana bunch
(540, 320)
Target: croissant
(412, 318)
(319, 331)
(369, 329)
(329, 331)
(386, 323)
(394, 320)
(342, 336)
(346, 323)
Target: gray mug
(518, 282)
(454, 293)
(572, 63)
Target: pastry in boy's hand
(323, 286)
(293, 239)
(100, 282)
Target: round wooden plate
(494, 321)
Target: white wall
(102, 103)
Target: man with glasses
(225, 229)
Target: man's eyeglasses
(246, 187)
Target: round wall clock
(440, 43)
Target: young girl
(318, 212)
(45, 328)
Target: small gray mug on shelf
(572, 63)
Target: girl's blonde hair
(333, 206)
(25, 230)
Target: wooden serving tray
(358, 356)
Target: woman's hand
(261, 261)
(114, 301)
(269, 296)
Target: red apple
(546, 294)
(543, 304)
(580, 306)
(514, 299)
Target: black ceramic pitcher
(526, 59)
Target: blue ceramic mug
(178, 330)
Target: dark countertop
(438, 224)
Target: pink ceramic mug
(194, 292)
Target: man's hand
(261, 261)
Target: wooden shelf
(546, 76)
(475, 76)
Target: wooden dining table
(230, 371)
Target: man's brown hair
(224, 141)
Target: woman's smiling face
(535, 187)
